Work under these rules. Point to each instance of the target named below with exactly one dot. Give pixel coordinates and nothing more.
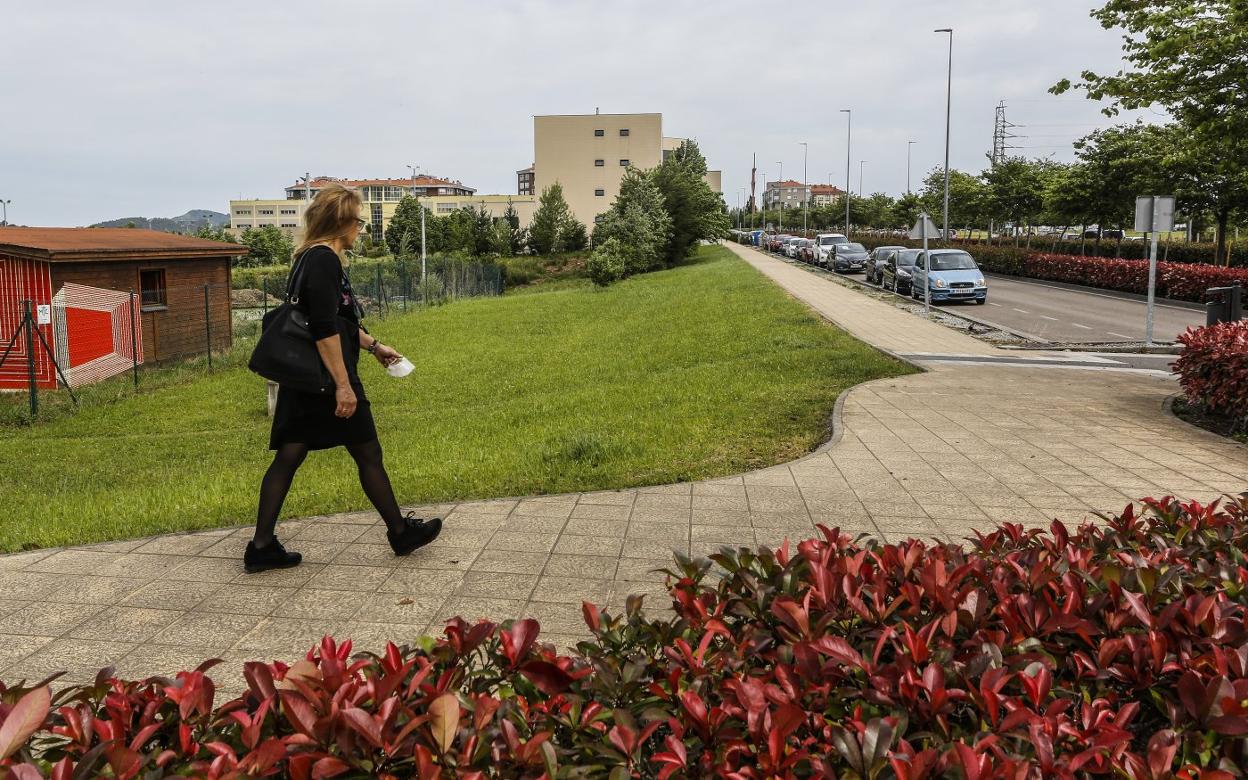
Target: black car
(875, 263)
(896, 272)
(847, 258)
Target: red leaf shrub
(1213, 368)
(1116, 650)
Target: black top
(325, 292)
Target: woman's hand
(345, 397)
(386, 355)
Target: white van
(824, 243)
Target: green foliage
(1015, 189)
(905, 211)
(208, 232)
(640, 223)
(608, 263)
(511, 238)
(267, 245)
(968, 198)
(403, 234)
(550, 221)
(573, 237)
(697, 212)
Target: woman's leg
(274, 487)
(376, 482)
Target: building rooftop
(407, 181)
(76, 244)
(825, 189)
(786, 183)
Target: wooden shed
(109, 293)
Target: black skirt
(308, 418)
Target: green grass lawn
(700, 371)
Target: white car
(824, 243)
(790, 247)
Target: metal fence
(88, 335)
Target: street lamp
(805, 185)
(909, 144)
(849, 135)
(780, 194)
(948, 107)
(860, 164)
(422, 234)
(5, 205)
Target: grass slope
(704, 370)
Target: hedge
(1213, 369)
(1117, 649)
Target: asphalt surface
(1073, 316)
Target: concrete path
(932, 455)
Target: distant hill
(189, 222)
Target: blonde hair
(329, 216)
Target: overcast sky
(123, 108)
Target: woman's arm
(330, 349)
(384, 354)
(320, 295)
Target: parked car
(847, 258)
(953, 276)
(808, 251)
(824, 242)
(875, 262)
(790, 247)
(896, 271)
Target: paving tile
(313, 604)
(47, 618)
(177, 544)
(595, 527)
(722, 517)
(166, 661)
(293, 577)
(124, 624)
(571, 590)
(372, 637)
(398, 608)
(718, 489)
(206, 570)
(236, 599)
(379, 555)
(330, 532)
(82, 658)
(435, 556)
(140, 565)
(16, 647)
(497, 585)
(650, 501)
(423, 582)
(510, 561)
(612, 498)
(340, 577)
(635, 548)
(589, 545)
(93, 590)
(678, 489)
(521, 542)
(498, 506)
(555, 617)
(473, 609)
(657, 532)
(170, 594)
(643, 568)
(529, 508)
(535, 525)
(661, 515)
(14, 561)
(291, 636)
(74, 562)
(206, 629)
(618, 512)
(580, 566)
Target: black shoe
(271, 556)
(416, 533)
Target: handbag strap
(296, 276)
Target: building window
(242, 212)
(289, 225)
(266, 211)
(441, 190)
(600, 133)
(446, 208)
(623, 163)
(600, 193)
(599, 163)
(623, 131)
(152, 288)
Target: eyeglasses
(361, 223)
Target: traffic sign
(1154, 214)
(923, 228)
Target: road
(1064, 315)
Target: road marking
(990, 303)
(1119, 335)
(1077, 325)
(1050, 319)
(1022, 311)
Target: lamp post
(5, 205)
(948, 106)
(849, 132)
(909, 145)
(860, 164)
(780, 190)
(422, 234)
(805, 186)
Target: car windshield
(958, 261)
(905, 259)
(825, 240)
(851, 248)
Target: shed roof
(108, 244)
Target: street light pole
(860, 164)
(422, 234)
(849, 134)
(909, 144)
(948, 112)
(5, 204)
(805, 186)
(780, 190)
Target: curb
(1167, 408)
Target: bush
(1115, 650)
(607, 263)
(1213, 369)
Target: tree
(1015, 189)
(511, 237)
(639, 222)
(210, 233)
(403, 234)
(876, 210)
(572, 235)
(608, 262)
(698, 213)
(481, 236)
(267, 245)
(549, 221)
(906, 210)
(1187, 56)
(967, 197)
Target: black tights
(286, 461)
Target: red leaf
(23, 720)
(329, 767)
(592, 617)
(299, 712)
(518, 639)
(363, 723)
(548, 678)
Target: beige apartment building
(589, 153)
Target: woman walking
(308, 421)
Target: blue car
(953, 274)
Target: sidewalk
(936, 454)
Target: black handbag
(286, 352)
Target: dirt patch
(1221, 424)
